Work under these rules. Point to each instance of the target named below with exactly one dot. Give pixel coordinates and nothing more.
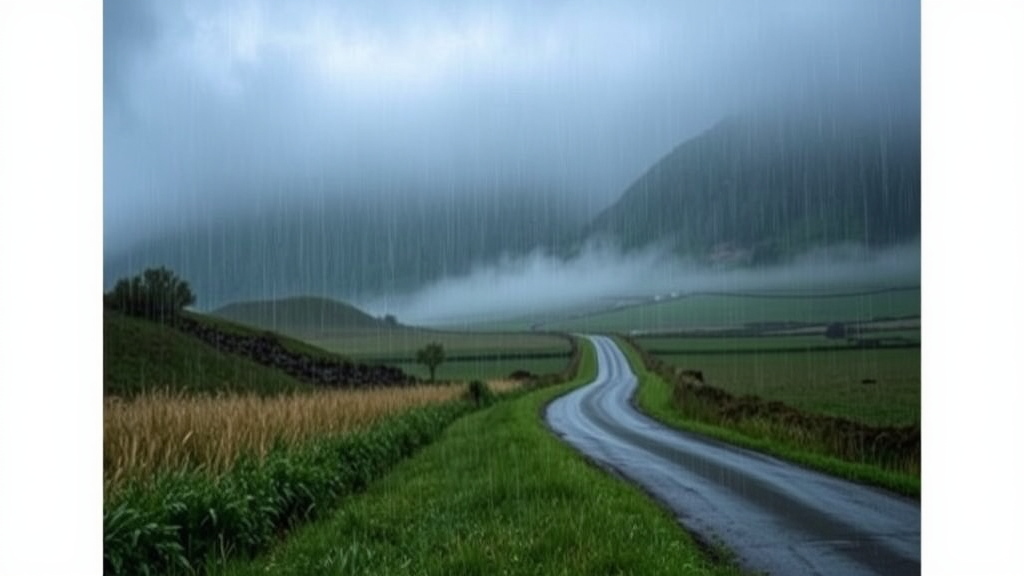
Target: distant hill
(756, 189)
(305, 317)
(141, 355)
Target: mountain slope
(758, 189)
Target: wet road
(776, 517)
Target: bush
(480, 394)
(157, 294)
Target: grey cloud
(220, 106)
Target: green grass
(735, 343)
(705, 311)
(486, 369)
(142, 355)
(654, 396)
(497, 494)
(825, 382)
(404, 342)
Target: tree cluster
(157, 294)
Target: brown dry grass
(163, 431)
(503, 386)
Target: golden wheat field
(163, 431)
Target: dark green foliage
(431, 356)
(479, 393)
(184, 521)
(759, 189)
(157, 294)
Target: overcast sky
(217, 105)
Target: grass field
(486, 369)
(496, 494)
(140, 355)
(484, 355)
(655, 396)
(828, 382)
(156, 433)
(729, 344)
(717, 311)
(404, 342)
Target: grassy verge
(655, 397)
(497, 494)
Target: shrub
(480, 394)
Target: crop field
(160, 432)
(873, 386)
(721, 311)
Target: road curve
(776, 517)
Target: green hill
(143, 355)
(304, 317)
(757, 189)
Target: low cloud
(602, 276)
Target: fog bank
(602, 276)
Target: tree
(431, 356)
(157, 294)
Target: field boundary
(782, 350)
(773, 427)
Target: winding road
(774, 516)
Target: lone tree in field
(156, 294)
(431, 356)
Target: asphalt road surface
(774, 516)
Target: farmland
(874, 386)
(469, 354)
(157, 433)
(852, 412)
(339, 328)
(496, 494)
(730, 310)
(219, 437)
